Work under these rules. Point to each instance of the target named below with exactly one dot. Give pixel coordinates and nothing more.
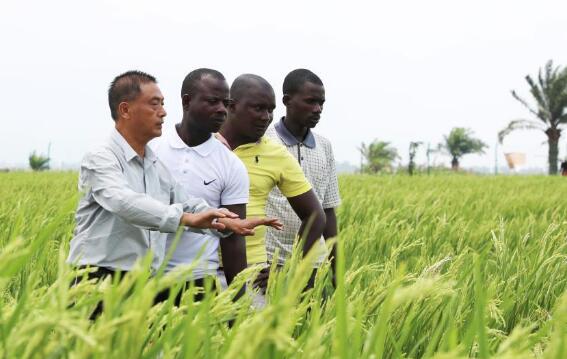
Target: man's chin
(259, 134)
(215, 129)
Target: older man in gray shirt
(130, 199)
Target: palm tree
(379, 156)
(413, 146)
(38, 162)
(460, 142)
(550, 94)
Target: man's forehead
(258, 91)
(151, 89)
(259, 95)
(209, 82)
(312, 89)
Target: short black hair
(244, 82)
(192, 79)
(295, 79)
(126, 87)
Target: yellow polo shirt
(269, 164)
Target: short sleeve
(292, 179)
(237, 184)
(331, 198)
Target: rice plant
(444, 266)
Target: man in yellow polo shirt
(269, 164)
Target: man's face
(147, 112)
(305, 106)
(207, 107)
(254, 112)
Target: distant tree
(38, 162)
(379, 156)
(460, 142)
(550, 95)
(413, 146)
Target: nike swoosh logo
(208, 183)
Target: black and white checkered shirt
(315, 155)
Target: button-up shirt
(128, 205)
(315, 156)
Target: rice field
(448, 266)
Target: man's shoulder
(272, 144)
(321, 140)
(271, 132)
(223, 154)
(101, 152)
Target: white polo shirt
(209, 171)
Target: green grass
(442, 266)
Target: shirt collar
(289, 139)
(124, 146)
(127, 150)
(204, 149)
(262, 139)
(150, 154)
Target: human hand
(270, 222)
(207, 219)
(245, 227)
(238, 226)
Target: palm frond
(525, 103)
(519, 125)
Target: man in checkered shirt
(304, 96)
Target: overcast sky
(397, 71)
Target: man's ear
(185, 99)
(124, 110)
(286, 98)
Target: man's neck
(231, 136)
(298, 131)
(191, 135)
(137, 144)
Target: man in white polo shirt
(304, 96)
(205, 167)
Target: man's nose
(267, 116)
(221, 108)
(163, 113)
(318, 108)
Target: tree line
(547, 111)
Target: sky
(396, 71)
